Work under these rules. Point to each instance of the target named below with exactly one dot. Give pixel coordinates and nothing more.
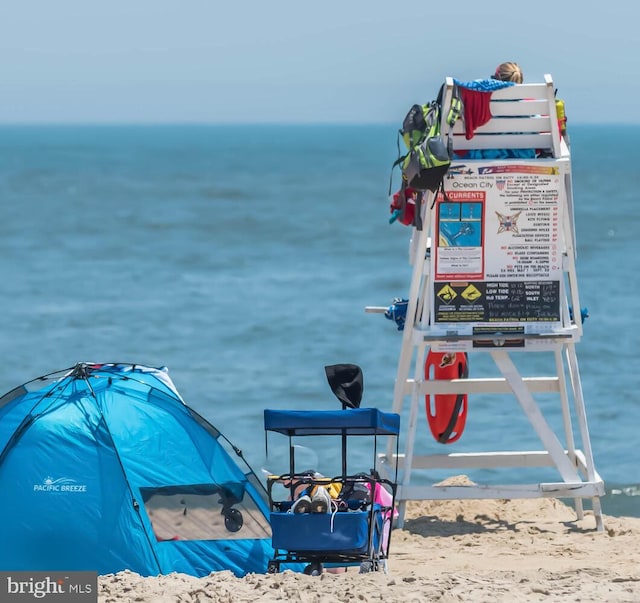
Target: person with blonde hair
(508, 72)
(476, 98)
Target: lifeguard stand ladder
(494, 272)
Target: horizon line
(245, 124)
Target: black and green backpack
(429, 152)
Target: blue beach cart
(356, 528)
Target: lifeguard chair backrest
(523, 117)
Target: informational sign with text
(497, 258)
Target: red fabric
(477, 111)
(407, 206)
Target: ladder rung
(485, 385)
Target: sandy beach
(448, 551)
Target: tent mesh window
(203, 512)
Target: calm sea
(243, 257)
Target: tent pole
(292, 462)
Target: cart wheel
(233, 520)
(273, 567)
(314, 569)
(366, 567)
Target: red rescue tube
(447, 413)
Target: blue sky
(285, 61)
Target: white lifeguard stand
(493, 271)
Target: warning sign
(504, 301)
(471, 293)
(446, 294)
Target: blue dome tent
(104, 467)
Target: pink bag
(384, 498)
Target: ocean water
(243, 257)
